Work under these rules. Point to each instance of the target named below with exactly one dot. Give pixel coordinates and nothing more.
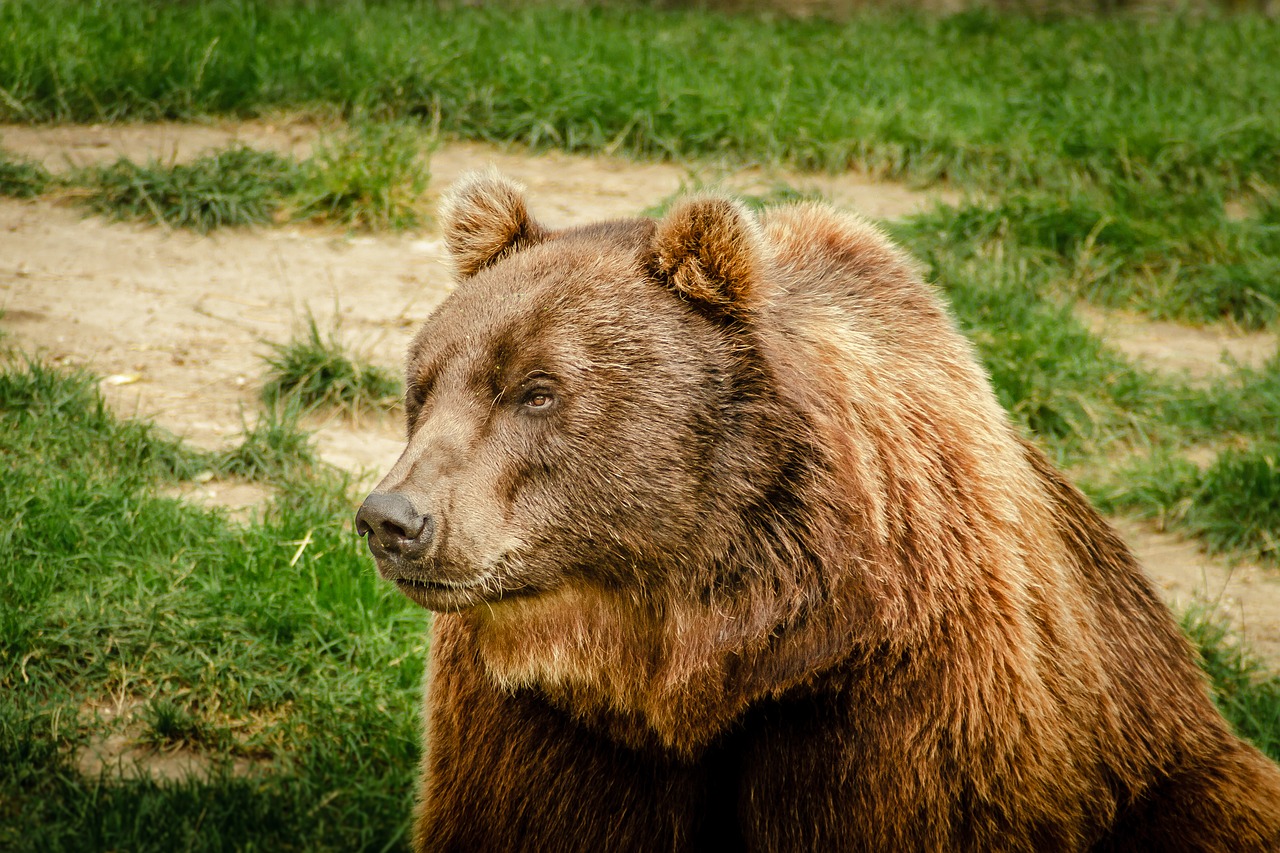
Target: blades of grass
(22, 178)
(1247, 694)
(313, 372)
(272, 448)
(235, 186)
(372, 176)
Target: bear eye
(538, 401)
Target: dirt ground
(177, 323)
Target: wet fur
(881, 621)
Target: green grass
(236, 186)
(22, 178)
(369, 176)
(1001, 98)
(1141, 248)
(1233, 505)
(778, 193)
(1246, 692)
(270, 640)
(273, 448)
(315, 371)
(1108, 147)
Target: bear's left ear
(485, 219)
(708, 250)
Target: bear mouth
(442, 587)
(434, 595)
(452, 597)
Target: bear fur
(731, 547)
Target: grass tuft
(274, 448)
(236, 186)
(1246, 692)
(1233, 505)
(173, 724)
(316, 372)
(370, 177)
(22, 178)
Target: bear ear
(708, 250)
(485, 220)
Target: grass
(273, 448)
(236, 186)
(1007, 99)
(778, 193)
(1167, 257)
(22, 178)
(314, 372)
(270, 639)
(1246, 692)
(1232, 502)
(366, 177)
(371, 177)
(1233, 505)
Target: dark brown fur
(735, 549)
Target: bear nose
(391, 522)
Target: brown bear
(731, 547)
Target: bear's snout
(393, 525)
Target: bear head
(582, 408)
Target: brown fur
(735, 549)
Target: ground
(177, 323)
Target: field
(226, 236)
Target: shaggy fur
(733, 548)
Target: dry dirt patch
(567, 189)
(178, 322)
(1245, 594)
(1200, 354)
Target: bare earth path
(177, 323)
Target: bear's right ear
(485, 220)
(709, 251)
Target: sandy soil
(177, 323)
(1200, 355)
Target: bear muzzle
(405, 545)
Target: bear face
(576, 414)
(601, 448)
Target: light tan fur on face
(438, 474)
